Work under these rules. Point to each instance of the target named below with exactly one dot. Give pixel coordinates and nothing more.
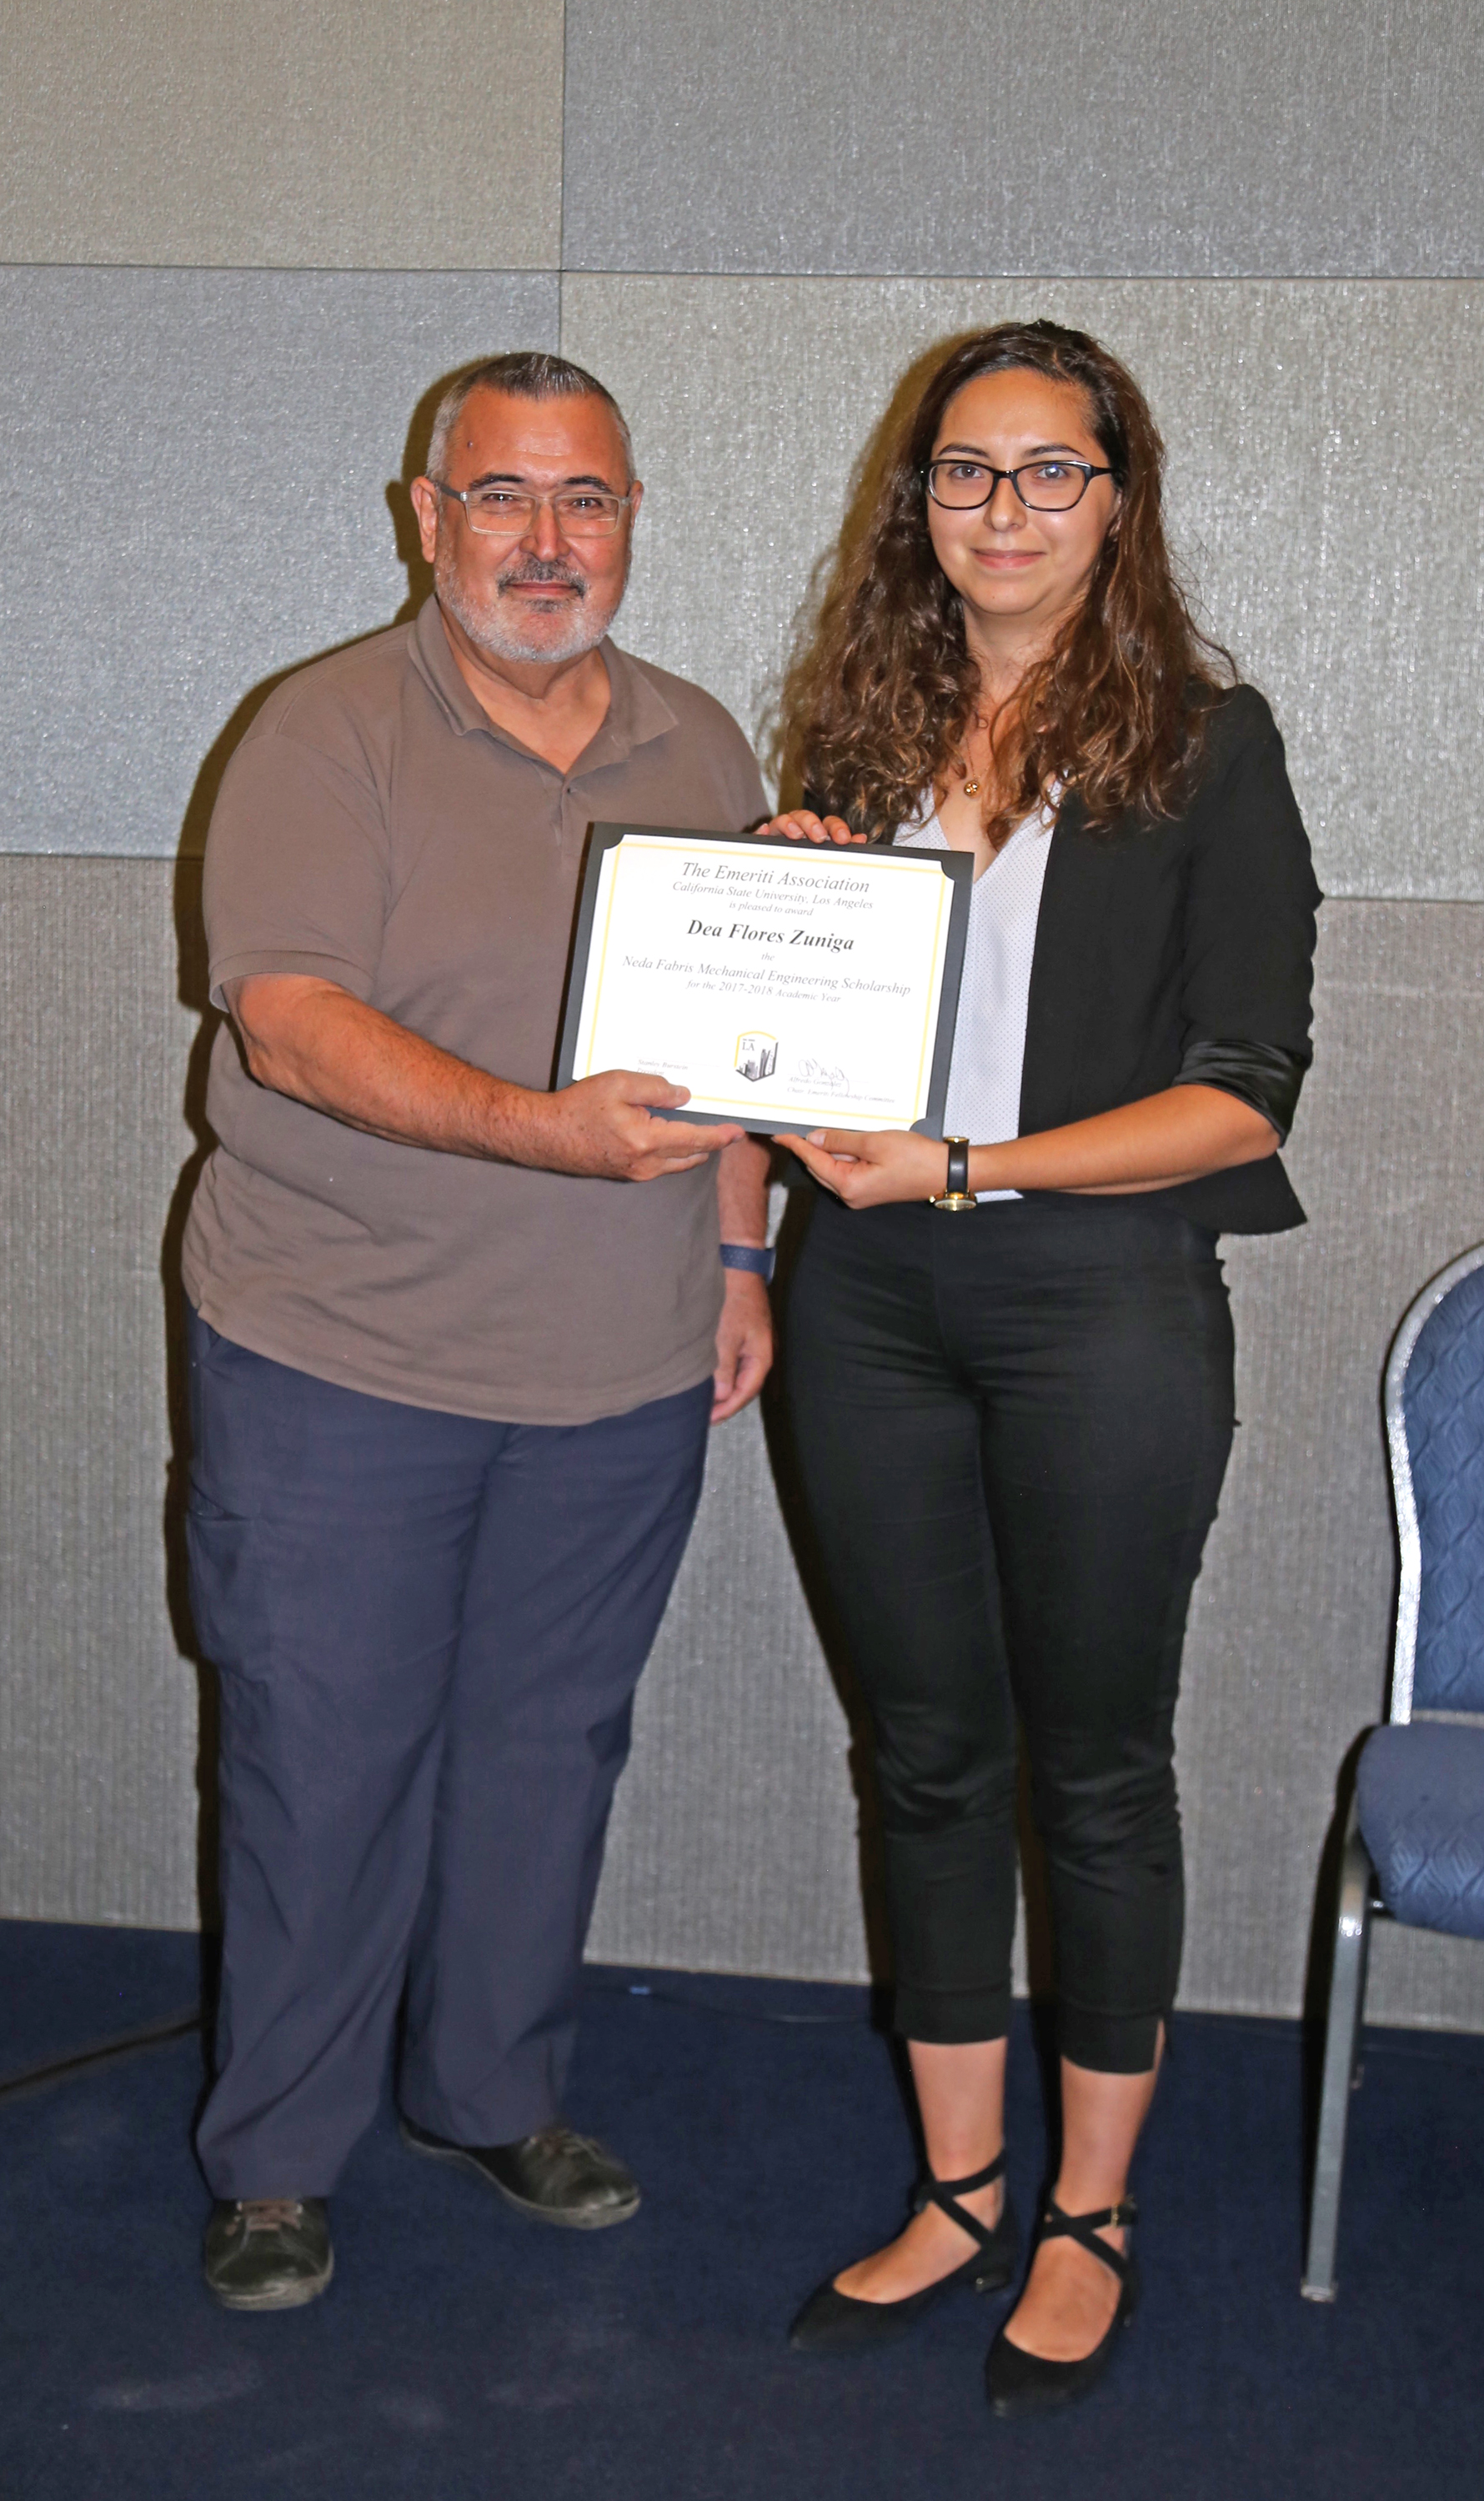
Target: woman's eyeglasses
(1042, 485)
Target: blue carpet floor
(463, 2354)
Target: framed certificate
(790, 987)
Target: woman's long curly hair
(881, 700)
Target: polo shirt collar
(637, 712)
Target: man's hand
(744, 1344)
(314, 1041)
(605, 1127)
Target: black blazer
(1155, 942)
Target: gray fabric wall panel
(1291, 1629)
(98, 1710)
(1282, 138)
(1327, 495)
(197, 497)
(734, 1839)
(257, 132)
(266, 412)
(734, 1845)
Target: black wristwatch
(958, 1197)
(745, 1254)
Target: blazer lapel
(1067, 970)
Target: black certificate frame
(957, 866)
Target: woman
(1012, 1423)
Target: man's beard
(493, 627)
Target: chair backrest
(1434, 1431)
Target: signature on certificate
(820, 1076)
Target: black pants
(1012, 1427)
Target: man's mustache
(536, 568)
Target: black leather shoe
(1027, 2384)
(268, 2252)
(555, 2175)
(832, 2321)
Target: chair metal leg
(1342, 2028)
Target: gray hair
(528, 375)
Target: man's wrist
(519, 1128)
(752, 1258)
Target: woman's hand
(873, 1168)
(1154, 1144)
(802, 826)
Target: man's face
(540, 597)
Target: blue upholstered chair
(1414, 1843)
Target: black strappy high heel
(1027, 2384)
(832, 2321)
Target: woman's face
(1013, 568)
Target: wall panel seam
(282, 269)
(1042, 276)
(561, 162)
(562, 269)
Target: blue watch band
(742, 1255)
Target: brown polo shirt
(375, 828)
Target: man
(455, 1340)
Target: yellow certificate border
(917, 864)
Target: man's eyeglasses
(1042, 485)
(499, 511)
